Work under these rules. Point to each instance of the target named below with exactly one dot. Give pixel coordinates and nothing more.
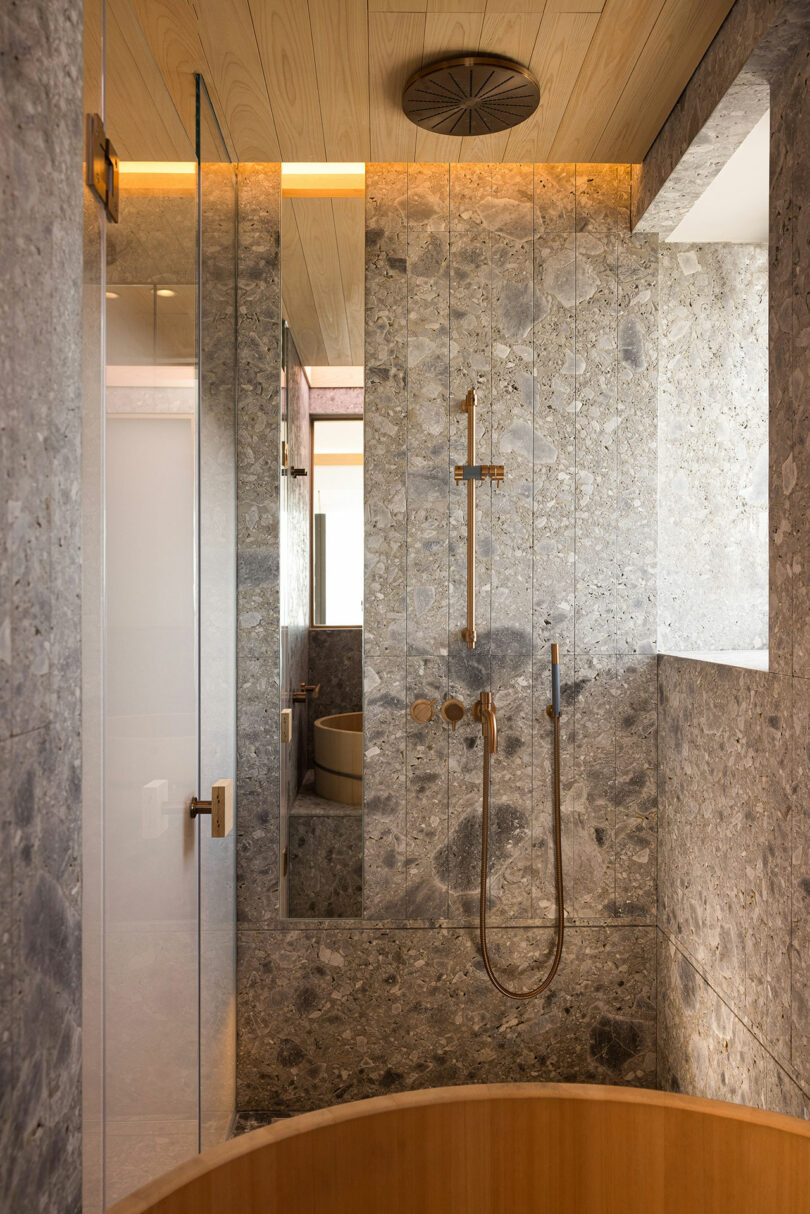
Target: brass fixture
(102, 166)
(422, 711)
(471, 95)
(484, 711)
(307, 689)
(470, 474)
(452, 711)
(220, 807)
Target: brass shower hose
(488, 747)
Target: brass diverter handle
(307, 689)
(452, 712)
(422, 711)
(220, 807)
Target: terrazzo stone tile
(636, 732)
(470, 367)
(512, 265)
(386, 408)
(713, 588)
(544, 887)
(470, 673)
(726, 775)
(597, 408)
(40, 756)
(555, 368)
(705, 1050)
(637, 435)
(800, 377)
(511, 783)
(384, 787)
(593, 879)
(325, 875)
(319, 1008)
(428, 487)
(294, 589)
(258, 618)
(340, 402)
(800, 873)
(426, 792)
(782, 466)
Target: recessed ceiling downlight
(472, 95)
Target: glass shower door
(167, 561)
(217, 513)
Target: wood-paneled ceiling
(322, 79)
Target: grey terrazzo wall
(713, 448)
(735, 850)
(524, 282)
(258, 465)
(40, 745)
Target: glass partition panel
(151, 938)
(217, 618)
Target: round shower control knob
(422, 711)
(452, 711)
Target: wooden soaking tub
(338, 745)
(502, 1149)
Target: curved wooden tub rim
(327, 722)
(164, 1186)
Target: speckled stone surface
(733, 865)
(258, 618)
(345, 1016)
(548, 308)
(40, 671)
(294, 531)
(713, 448)
(756, 42)
(325, 844)
(336, 402)
(524, 282)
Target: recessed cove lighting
(165, 293)
(111, 294)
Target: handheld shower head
(484, 711)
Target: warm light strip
(338, 179)
(173, 168)
(340, 459)
(150, 375)
(334, 377)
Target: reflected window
(337, 523)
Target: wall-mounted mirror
(322, 541)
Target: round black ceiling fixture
(472, 95)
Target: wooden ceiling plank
(513, 36)
(316, 226)
(340, 40)
(396, 41)
(575, 6)
(456, 6)
(446, 35)
(559, 52)
(141, 118)
(350, 230)
(672, 52)
(298, 302)
(229, 42)
(623, 29)
(397, 6)
(284, 39)
(170, 27)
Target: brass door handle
(220, 807)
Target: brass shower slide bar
(470, 474)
